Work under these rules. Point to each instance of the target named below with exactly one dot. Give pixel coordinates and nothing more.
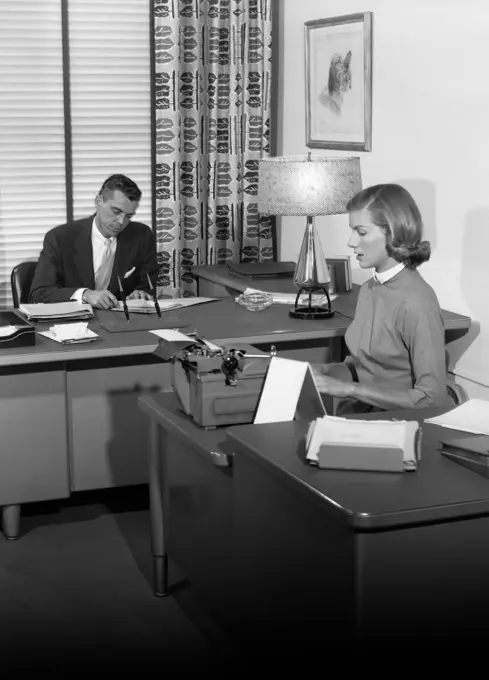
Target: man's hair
(394, 210)
(122, 183)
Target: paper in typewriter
(369, 433)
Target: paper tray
(24, 336)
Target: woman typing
(396, 340)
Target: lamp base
(309, 312)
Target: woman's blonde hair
(394, 210)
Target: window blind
(110, 98)
(32, 151)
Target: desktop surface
(222, 321)
(344, 304)
(439, 490)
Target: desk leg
(11, 521)
(158, 497)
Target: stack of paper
(70, 333)
(41, 311)
(363, 444)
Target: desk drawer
(33, 435)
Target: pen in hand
(153, 292)
(124, 303)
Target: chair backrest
(456, 393)
(20, 281)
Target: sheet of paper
(184, 302)
(5, 331)
(472, 416)
(171, 335)
(88, 337)
(289, 298)
(286, 384)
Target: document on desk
(472, 416)
(289, 298)
(289, 391)
(165, 305)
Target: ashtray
(255, 302)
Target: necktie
(102, 275)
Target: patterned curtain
(212, 98)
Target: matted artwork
(338, 61)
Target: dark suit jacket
(66, 261)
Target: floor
(76, 594)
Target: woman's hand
(328, 385)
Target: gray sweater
(397, 338)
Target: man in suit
(82, 260)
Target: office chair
(456, 393)
(20, 281)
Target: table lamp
(317, 185)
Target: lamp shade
(319, 185)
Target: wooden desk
(290, 556)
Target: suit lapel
(83, 253)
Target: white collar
(96, 234)
(383, 277)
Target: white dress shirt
(98, 249)
(382, 277)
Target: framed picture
(338, 60)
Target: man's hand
(139, 295)
(102, 299)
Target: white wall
(430, 134)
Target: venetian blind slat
(32, 146)
(110, 98)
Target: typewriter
(215, 384)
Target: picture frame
(338, 73)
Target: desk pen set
(216, 384)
